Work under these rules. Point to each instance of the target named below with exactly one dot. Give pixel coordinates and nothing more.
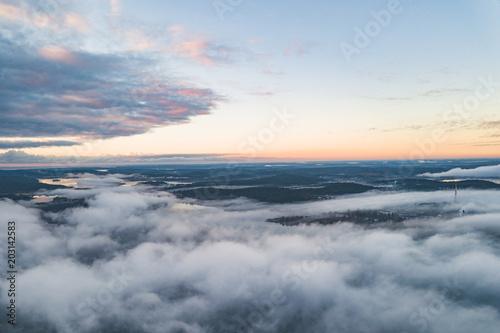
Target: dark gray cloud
(8, 144)
(54, 91)
(137, 260)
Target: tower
(456, 191)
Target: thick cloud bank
(138, 260)
(20, 157)
(93, 96)
(6, 144)
(480, 172)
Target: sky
(248, 80)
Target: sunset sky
(206, 81)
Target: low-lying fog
(140, 260)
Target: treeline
(274, 194)
(10, 185)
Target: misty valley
(297, 247)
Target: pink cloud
(57, 53)
(41, 20)
(77, 22)
(83, 100)
(194, 49)
(192, 92)
(197, 47)
(10, 12)
(105, 95)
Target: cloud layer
(480, 172)
(8, 144)
(53, 91)
(138, 260)
(19, 157)
(64, 75)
